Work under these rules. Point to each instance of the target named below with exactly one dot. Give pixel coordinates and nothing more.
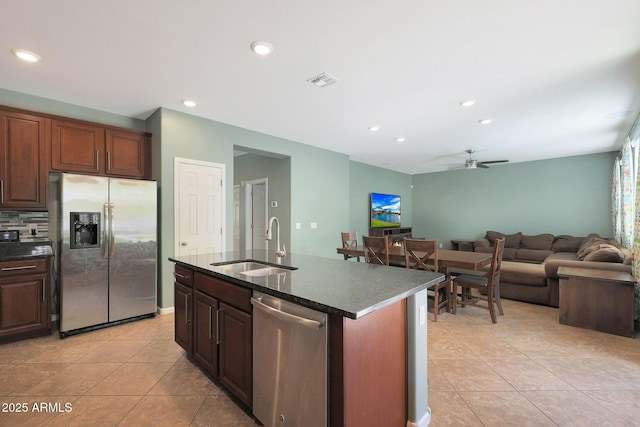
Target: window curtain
(624, 195)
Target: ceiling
(558, 78)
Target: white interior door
(256, 214)
(200, 207)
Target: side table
(597, 299)
(462, 245)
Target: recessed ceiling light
(374, 128)
(262, 48)
(400, 139)
(26, 55)
(485, 121)
(189, 103)
(467, 102)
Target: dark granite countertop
(11, 251)
(350, 289)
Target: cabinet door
(23, 179)
(183, 300)
(235, 352)
(205, 347)
(77, 147)
(23, 305)
(127, 153)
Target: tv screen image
(385, 210)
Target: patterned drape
(627, 198)
(616, 200)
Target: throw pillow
(605, 253)
(588, 241)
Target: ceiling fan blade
(494, 161)
(482, 165)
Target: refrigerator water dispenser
(85, 230)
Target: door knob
(183, 243)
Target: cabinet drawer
(235, 295)
(183, 275)
(26, 266)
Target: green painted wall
(569, 195)
(250, 167)
(366, 179)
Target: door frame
(177, 161)
(248, 209)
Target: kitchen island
(376, 328)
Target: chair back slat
(376, 249)
(421, 254)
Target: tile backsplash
(24, 221)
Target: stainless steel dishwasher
(289, 363)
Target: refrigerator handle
(112, 244)
(105, 216)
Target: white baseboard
(167, 310)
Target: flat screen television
(385, 210)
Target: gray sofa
(530, 262)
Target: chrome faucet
(280, 253)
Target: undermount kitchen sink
(253, 268)
(267, 271)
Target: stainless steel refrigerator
(106, 249)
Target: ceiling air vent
(322, 80)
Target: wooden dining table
(447, 259)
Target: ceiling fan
(472, 163)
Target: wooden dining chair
(488, 284)
(376, 250)
(350, 240)
(423, 254)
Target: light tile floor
(526, 370)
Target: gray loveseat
(530, 262)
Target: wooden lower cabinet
(183, 298)
(25, 299)
(214, 324)
(205, 331)
(236, 364)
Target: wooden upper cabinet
(127, 153)
(23, 177)
(87, 148)
(77, 147)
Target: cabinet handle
(186, 308)
(182, 276)
(1, 192)
(109, 161)
(25, 267)
(218, 327)
(97, 160)
(210, 322)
